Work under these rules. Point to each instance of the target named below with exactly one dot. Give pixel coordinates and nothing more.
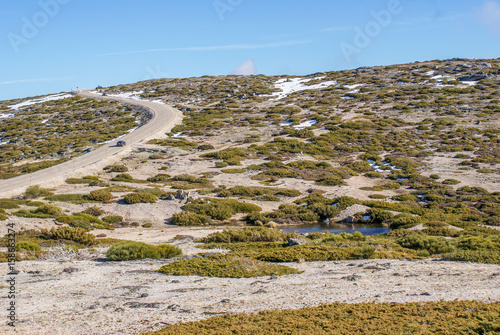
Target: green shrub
(434, 245)
(112, 219)
(53, 211)
(405, 220)
(374, 318)
(100, 195)
(233, 171)
(94, 210)
(71, 198)
(373, 174)
(221, 164)
(405, 197)
(360, 166)
(204, 147)
(476, 256)
(225, 266)
(29, 246)
(159, 178)
(35, 191)
(147, 225)
(130, 250)
(125, 177)
(140, 197)
(85, 180)
(8, 204)
(168, 251)
(259, 234)
(365, 251)
(116, 168)
(377, 196)
(188, 219)
(333, 180)
(78, 235)
(451, 182)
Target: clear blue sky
(86, 43)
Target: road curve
(163, 117)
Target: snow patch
(40, 100)
(352, 87)
(470, 83)
(5, 116)
(305, 124)
(291, 85)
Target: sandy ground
(95, 297)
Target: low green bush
(112, 219)
(434, 245)
(8, 204)
(29, 246)
(125, 177)
(116, 168)
(188, 219)
(233, 171)
(100, 195)
(259, 234)
(451, 182)
(130, 250)
(225, 266)
(35, 191)
(221, 164)
(78, 235)
(140, 197)
(94, 210)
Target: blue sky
(49, 46)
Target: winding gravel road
(163, 117)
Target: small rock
(135, 304)
(174, 307)
(354, 277)
(260, 291)
(70, 270)
(144, 295)
(225, 301)
(425, 293)
(273, 277)
(34, 272)
(295, 241)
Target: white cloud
(489, 14)
(246, 69)
(35, 80)
(214, 48)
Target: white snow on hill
(291, 85)
(40, 100)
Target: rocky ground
(61, 296)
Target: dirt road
(164, 117)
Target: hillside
(410, 148)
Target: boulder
(474, 77)
(295, 241)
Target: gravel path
(91, 297)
